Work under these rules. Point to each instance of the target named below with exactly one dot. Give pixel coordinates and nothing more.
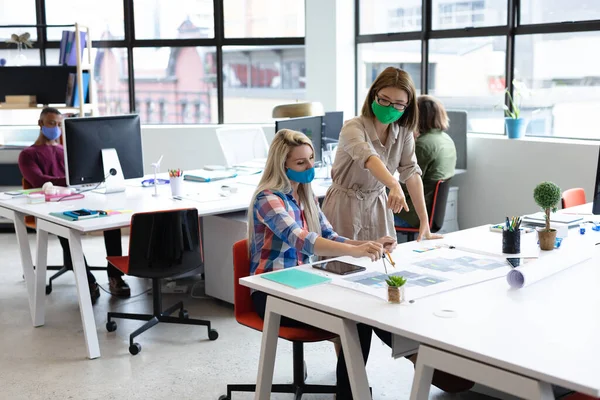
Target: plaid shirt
(281, 238)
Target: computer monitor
(458, 132)
(99, 149)
(332, 126)
(596, 205)
(310, 126)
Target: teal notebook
(296, 278)
(68, 218)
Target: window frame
(510, 32)
(130, 42)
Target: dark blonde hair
(400, 79)
(432, 114)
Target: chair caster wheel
(111, 326)
(135, 348)
(48, 290)
(183, 314)
(213, 334)
(224, 397)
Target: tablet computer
(339, 267)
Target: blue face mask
(301, 176)
(51, 133)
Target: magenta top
(43, 163)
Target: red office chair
(579, 396)
(245, 315)
(162, 245)
(573, 197)
(61, 269)
(437, 213)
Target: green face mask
(385, 115)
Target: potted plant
(515, 124)
(547, 195)
(395, 288)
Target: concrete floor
(177, 362)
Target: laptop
(539, 219)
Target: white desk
(136, 199)
(516, 341)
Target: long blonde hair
(275, 179)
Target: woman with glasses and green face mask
(372, 147)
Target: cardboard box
(29, 100)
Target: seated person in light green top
(436, 155)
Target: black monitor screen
(596, 206)
(332, 126)
(86, 137)
(310, 126)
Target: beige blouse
(356, 202)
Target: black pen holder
(511, 241)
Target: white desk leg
(83, 293)
(354, 360)
(511, 383)
(39, 296)
(268, 350)
(26, 259)
(422, 380)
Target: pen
(390, 257)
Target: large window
(544, 11)
(175, 85)
(263, 18)
(468, 66)
(162, 20)
(182, 62)
(564, 81)
(468, 74)
(257, 78)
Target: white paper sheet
(427, 273)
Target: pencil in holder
(176, 185)
(511, 241)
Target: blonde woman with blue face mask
(372, 147)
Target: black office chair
(437, 212)
(162, 244)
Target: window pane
(110, 78)
(162, 20)
(545, 11)
(256, 79)
(104, 18)
(176, 85)
(468, 74)
(13, 13)
(564, 81)
(263, 18)
(468, 13)
(12, 57)
(383, 16)
(375, 57)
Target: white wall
(502, 173)
(186, 147)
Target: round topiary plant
(547, 195)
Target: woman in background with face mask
(372, 147)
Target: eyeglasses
(387, 103)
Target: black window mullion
(219, 36)
(129, 40)
(426, 18)
(510, 48)
(40, 11)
